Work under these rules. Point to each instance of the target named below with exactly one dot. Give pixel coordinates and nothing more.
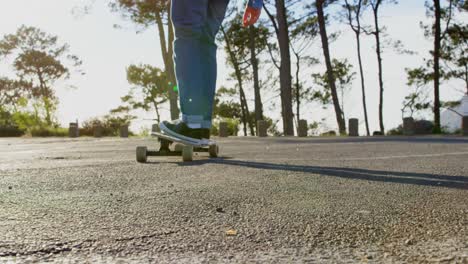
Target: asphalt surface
(275, 200)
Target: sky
(106, 51)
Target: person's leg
(195, 24)
(189, 18)
(215, 17)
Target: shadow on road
(409, 139)
(424, 179)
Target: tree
(151, 88)
(281, 26)
(225, 106)
(375, 6)
(303, 31)
(320, 5)
(448, 59)
(342, 71)
(455, 54)
(247, 44)
(415, 102)
(436, 56)
(234, 59)
(354, 11)
(155, 12)
(255, 46)
(40, 59)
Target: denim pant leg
(196, 23)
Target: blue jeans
(196, 23)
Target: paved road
(284, 200)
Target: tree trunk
(466, 78)
(254, 62)
(45, 99)
(247, 112)
(379, 60)
(357, 31)
(285, 69)
(331, 77)
(47, 107)
(298, 91)
(156, 108)
(437, 40)
(363, 86)
(342, 105)
(168, 63)
(243, 100)
(243, 114)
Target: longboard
(184, 148)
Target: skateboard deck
(204, 143)
(184, 148)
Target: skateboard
(182, 148)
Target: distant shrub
(396, 131)
(144, 132)
(424, 127)
(110, 126)
(47, 132)
(11, 131)
(330, 133)
(233, 126)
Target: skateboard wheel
(141, 154)
(214, 151)
(178, 147)
(187, 153)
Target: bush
(27, 120)
(144, 132)
(11, 131)
(330, 133)
(48, 132)
(110, 126)
(398, 131)
(233, 126)
(424, 127)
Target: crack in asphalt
(167, 233)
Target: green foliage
(144, 132)
(395, 131)
(342, 71)
(11, 91)
(239, 39)
(150, 90)
(344, 76)
(417, 101)
(224, 104)
(47, 132)
(455, 53)
(233, 126)
(110, 125)
(313, 128)
(30, 123)
(273, 127)
(143, 12)
(454, 47)
(26, 120)
(10, 131)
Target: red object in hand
(251, 16)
